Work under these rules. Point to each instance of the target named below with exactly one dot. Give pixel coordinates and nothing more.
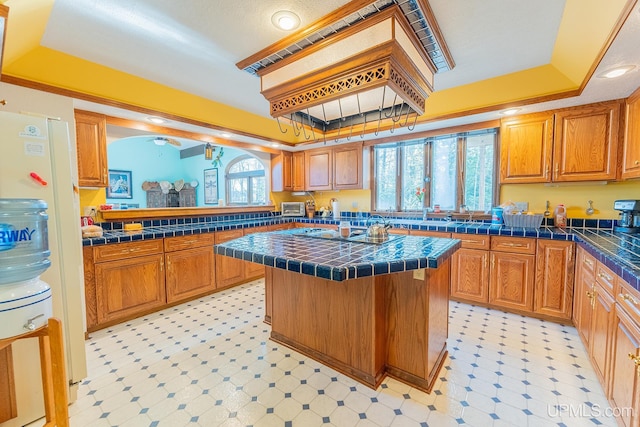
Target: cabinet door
(229, 271)
(600, 337)
(583, 294)
(511, 280)
(281, 171)
(585, 145)
(318, 169)
(298, 173)
(624, 386)
(190, 272)
(525, 148)
(129, 287)
(554, 278)
(631, 158)
(91, 148)
(470, 275)
(347, 167)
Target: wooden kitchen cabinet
(512, 272)
(583, 292)
(229, 271)
(526, 148)
(470, 269)
(298, 171)
(282, 171)
(91, 148)
(631, 151)
(318, 166)
(585, 142)
(190, 265)
(625, 366)
(554, 278)
(130, 284)
(347, 167)
(600, 337)
(254, 270)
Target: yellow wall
(573, 196)
(346, 198)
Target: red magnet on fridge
(37, 178)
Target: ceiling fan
(161, 140)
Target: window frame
(461, 154)
(246, 175)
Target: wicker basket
(525, 221)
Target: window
(448, 170)
(246, 182)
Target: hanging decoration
(216, 161)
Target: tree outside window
(246, 182)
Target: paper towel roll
(335, 208)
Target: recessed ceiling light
(612, 73)
(157, 120)
(285, 20)
(275, 145)
(510, 111)
(225, 135)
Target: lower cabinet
(252, 269)
(582, 296)
(229, 270)
(470, 268)
(511, 277)
(190, 265)
(553, 294)
(129, 286)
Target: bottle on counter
(560, 216)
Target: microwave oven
(293, 209)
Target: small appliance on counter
(293, 209)
(629, 221)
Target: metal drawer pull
(589, 263)
(469, 241)
(515, 245)
(604, 276)
(627, 297)
(636, 359)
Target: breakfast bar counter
(365, 309)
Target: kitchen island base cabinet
(366, 328)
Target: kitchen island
(367, 310)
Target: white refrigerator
(36, 146)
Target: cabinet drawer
(120, 251)
(629, 300)
(259, 229)
(178, 243)
(224, 236)
(605, 277)
(586, 262)
(519, 245)
(472, 241)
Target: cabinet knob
(637, 162)
(636, 359)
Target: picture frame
(119, 185)
(210, 186)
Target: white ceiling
(194, 46)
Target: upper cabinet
(585, 143)
(568, 145)
(297, 171)
(91, 147)
(525, 148)
(281, 171)
(338, 168)
(631, 157)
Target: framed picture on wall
(119, 185)
(211, 186)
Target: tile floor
(209, 362)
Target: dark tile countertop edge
(588, 238)
(337, 259)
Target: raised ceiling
(504, 52)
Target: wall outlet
(354, 205)
(522, 206)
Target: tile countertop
(619, 252)
(339, 259)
